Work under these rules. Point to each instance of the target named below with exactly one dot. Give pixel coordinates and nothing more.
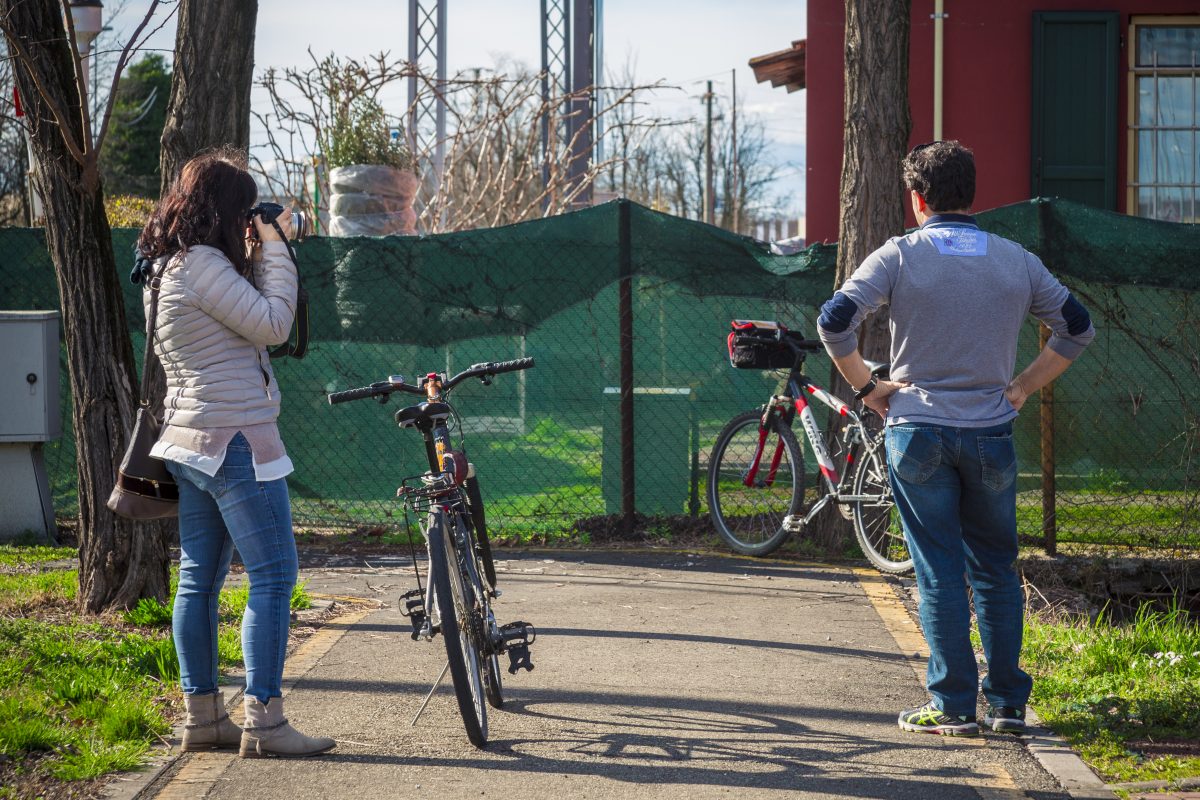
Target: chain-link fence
(1115, 459)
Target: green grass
(13, 556)
(91, 695)
(1106, 686)
(1158, 519)
(30, 590)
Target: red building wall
(986, 94)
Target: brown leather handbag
(144, 489)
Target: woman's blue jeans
(232, 509)
(956, 491)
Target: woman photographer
(219, 309)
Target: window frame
(1132, 185)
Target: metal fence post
(694, 436)
(1046, 424)
(625, 341)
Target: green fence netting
(1125, 424)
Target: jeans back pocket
(997, 461)
(915, 453)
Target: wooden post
(1049, 497)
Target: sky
(682, 42)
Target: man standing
(958, 297)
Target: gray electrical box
(29, 416)
(29, 381)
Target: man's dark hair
(943, 173)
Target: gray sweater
(957, 299)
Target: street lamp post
(88, 18)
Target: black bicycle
(457, 603)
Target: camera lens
(300, 229)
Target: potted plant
(372, 174)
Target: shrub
(361, 135)
(128, 211)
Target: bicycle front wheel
(755, 479)
(876, 521)
(461, 625)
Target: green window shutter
(1074, 153)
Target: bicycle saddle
(422, 415)
(880, 369)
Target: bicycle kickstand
(429, 696)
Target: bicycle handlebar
(374, 390)
(384, 388)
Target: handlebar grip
(355, 394)
(508, 366)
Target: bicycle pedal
(414, 609)
(793, 523)
(515, 640)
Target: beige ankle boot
(267, 733)
(207, 726)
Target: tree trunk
(120, 561)
(875, 138)
(875, 133)
(210, 82)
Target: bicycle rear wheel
(876, 521)
(493, 686)
(479, 525)
(461, 625)
(755, 479)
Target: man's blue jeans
(232, 509)
(956, 491)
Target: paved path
(657, 675)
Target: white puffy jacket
(213, 331)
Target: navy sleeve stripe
(1076, 316)
(838, 312)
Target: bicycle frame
(799, 388)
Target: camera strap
(298, 348)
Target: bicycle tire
(493, 685)
(877, 524)
(768, 507)
(479, 523)
(456, 606)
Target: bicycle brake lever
(486, 380)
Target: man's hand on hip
(879, 400)
(1016, 394)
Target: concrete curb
(1053, 752)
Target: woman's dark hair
(207, 204)
(943, 173)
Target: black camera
(269, 212)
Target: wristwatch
(867, 388)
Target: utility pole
(582, 104)
(708, 157)
(735, 195)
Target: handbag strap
(151, 323)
